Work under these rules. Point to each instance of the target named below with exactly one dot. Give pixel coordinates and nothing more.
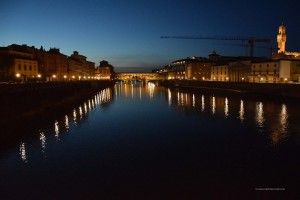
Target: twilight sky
(127, 33)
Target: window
(19, 66)
(275, 71)
(267, 65)
(25, 67)
(30, 68)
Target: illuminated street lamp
(18, 75)
(39, 76)
(54, 76)
(65, 76)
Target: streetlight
(18, 75)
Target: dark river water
(139, 141)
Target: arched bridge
(136, 76)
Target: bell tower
(281, 39)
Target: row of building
(24, 63)
(282, 68)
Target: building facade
(31, 63)
(220, 73)
(104, 71)
(18, 65)
(200, 70)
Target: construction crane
(251, 40)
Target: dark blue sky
(127, 33)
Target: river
(135, 141)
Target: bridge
(136, 76)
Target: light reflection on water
(226, 107)
(79, 113)
(216, 106)
(264, 123)
(241, 111)
(260, 114)
(159, 131)
(23, 152)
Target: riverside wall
(23, 104)
(273, 90)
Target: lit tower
(281, 39)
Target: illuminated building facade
(79, 68)
(200, 70)
(195, 68)
(275, 71)
(17, 64)
(104, 71)
(54, 65)
(262, 72)
(219, 73)
(29, 62)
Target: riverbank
(21, 104)
(273, 90)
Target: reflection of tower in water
(280, 129)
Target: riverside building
(18, 65)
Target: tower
(281, 39)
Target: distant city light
(39, 76)
(54, 76)
(65, 76)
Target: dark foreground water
(148, 142)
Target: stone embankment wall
(291, 91)
(21, 104)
